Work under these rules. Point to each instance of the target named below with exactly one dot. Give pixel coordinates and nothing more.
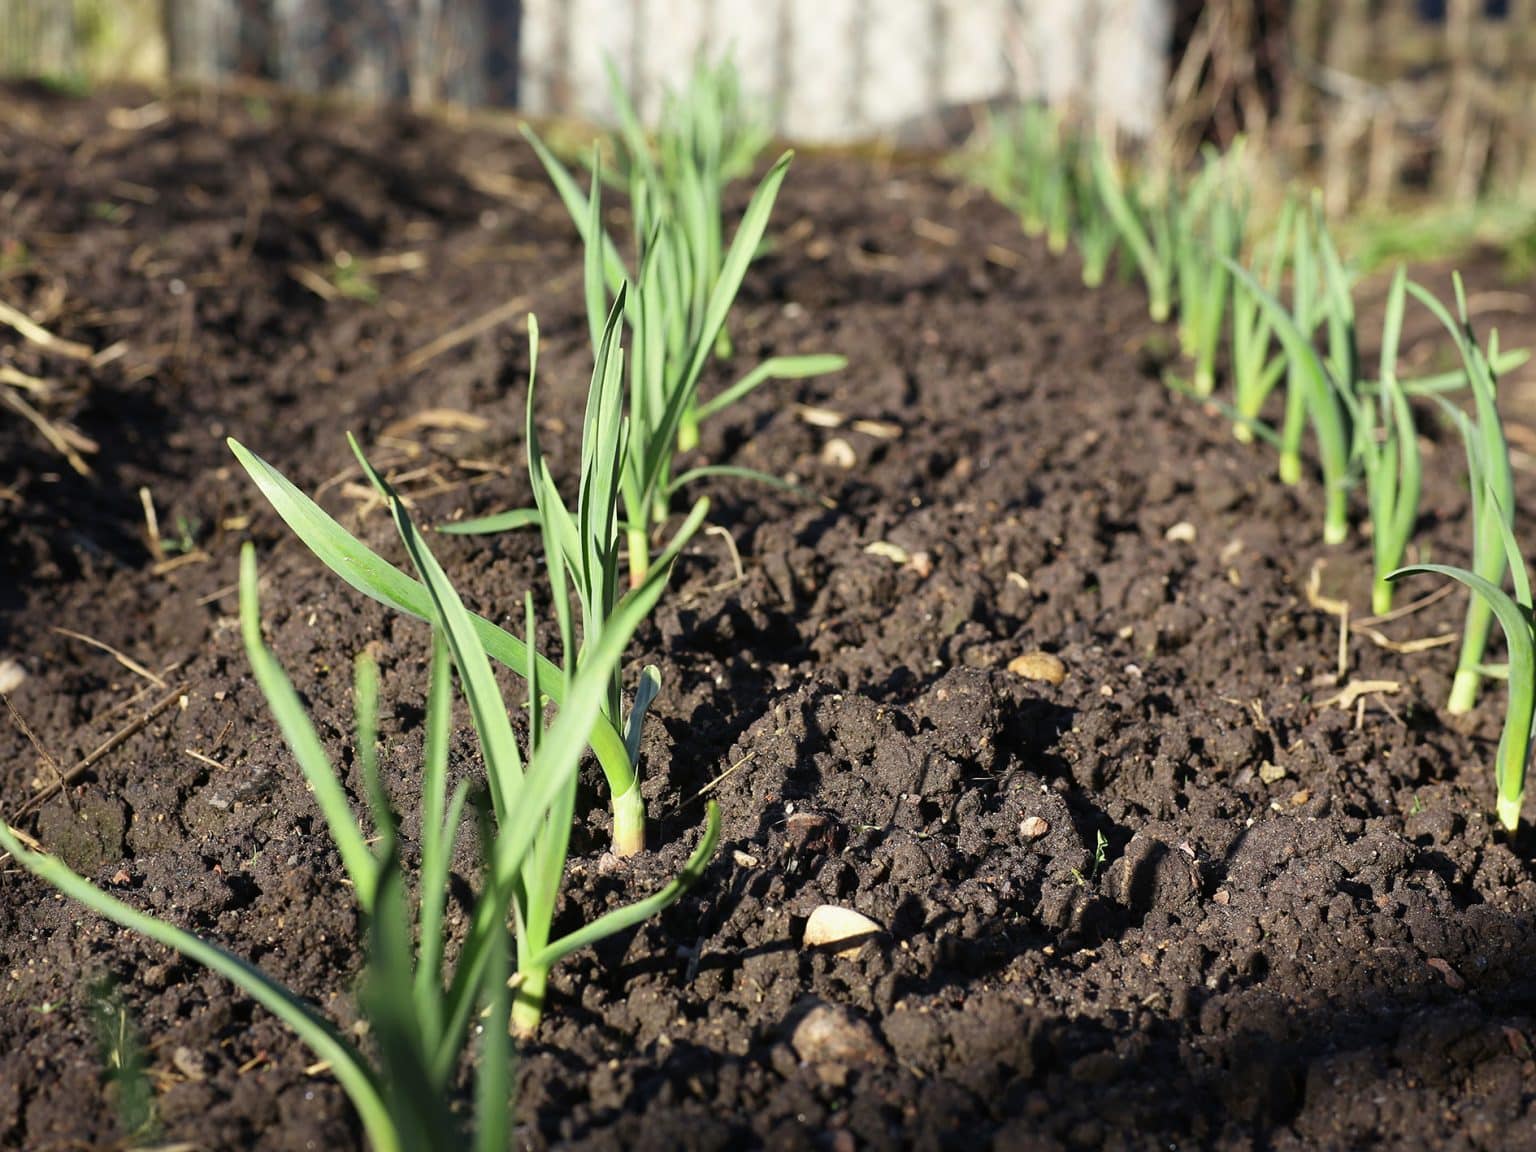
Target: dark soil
(1302, 931)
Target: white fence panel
(899, 78)
(831, 70)
(669, 36)
(974, 43)
(598, 31)
(819, 96)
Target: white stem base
(1463, 692)
(528, 1003)
(629, 822)
(1509, 811)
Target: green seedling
(1319, 391)
(1027, 170)
(1033, 164)
(1209, 221)
(420, 1011)
(588, 543)
(125, 1064)
(1492, 490)
(1514, 614)
(674, 327)
(707, 139)
(583, 549)
(1144, 219)
(1096, 232)
(1308, 306)
(1100, 856)
(1387, 451)
(372, 575)
(1257, 366)
(589, 553)
(1298, 378)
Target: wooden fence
(1370, 98)
(1373, 95)
(1438, 95)
(831, 70)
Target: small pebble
(878, 429)
(895, 553)
(829, 924)
(820, 417)
(1451, 977)
(1181, 533)
(11, 676)
(1034, 827)
(192, 1065)
(832, 1040)
(1039, 666)
(1269, 773)
(838, 453)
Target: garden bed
(1302, 929)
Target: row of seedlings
(1286, 304)
(424, 1013)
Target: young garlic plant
(581, 548)
(1515, 617)
(708, 138)
(1387, 450)
(421, 1011)
(1030, 170)
(1209, 221)
(1144, 217)
(1255, 370)
(1097, 234)
(1320, 391)
(675, 323)
(1492, 492)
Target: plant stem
(1381, 597)
(639, 541)
(1508, 808)
(1291, 432)
(528, 1001)
(1464, 687)
(1290, 467)
(1205, 380)
(1336, 516)
(629, 822)
(688, 431)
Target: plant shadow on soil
(1303, 933)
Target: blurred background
(1371, 98)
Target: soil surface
(1178, 887)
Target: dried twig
(125, 660)
(430, 351)
(40, 336)
(65, 441)
(19, 379)
(43, 795)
